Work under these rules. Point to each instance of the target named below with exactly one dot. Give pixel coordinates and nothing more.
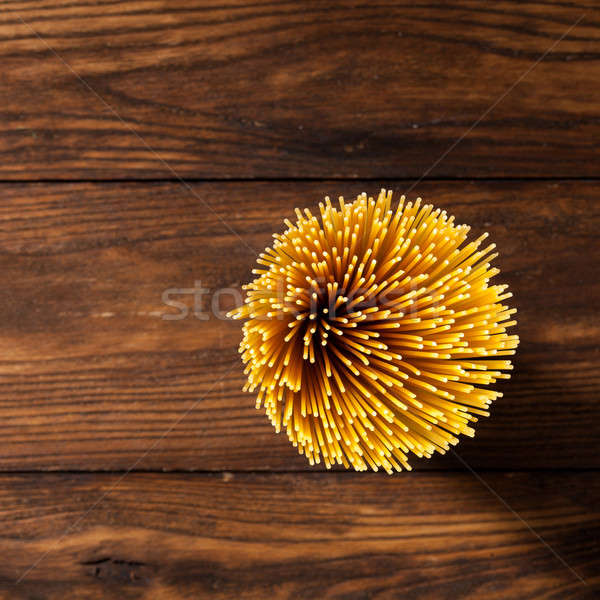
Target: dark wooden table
(146, 146)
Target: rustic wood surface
(296, 89)
(332, 536)
(132, 466)
(92, 374)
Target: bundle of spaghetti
(374, 333)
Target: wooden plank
(92, 376)
(333, 536)
(288, 89)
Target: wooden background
(148, 145)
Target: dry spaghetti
(372, 333)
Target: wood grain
(93, 376)
(286, 89)
(329, 536)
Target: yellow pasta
(374, 333)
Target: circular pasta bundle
(374, 333)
